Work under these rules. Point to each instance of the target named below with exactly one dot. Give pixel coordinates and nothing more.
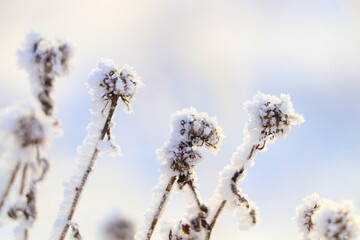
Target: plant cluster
(27, 131)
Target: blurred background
(212, 55)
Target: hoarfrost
(269, 117)
(327, 220)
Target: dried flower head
(194, 230)
(119, 229)
(271, 116)
(336, 221)
(29, 131)
(44, 59)
(327, 220)
(190, 130)
(305, 212)
(22, 127)
(108, 83)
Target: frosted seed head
(108, 82)
(44, 59)
(25, 126)
(188, 231)
(271, 116)
(196, 129)
(119, 229)
(29, 131)
(305, 213)
(189, 130)
(336, 221)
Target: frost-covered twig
(269, 117)
(189, 130)
(107, 83)
(9, 185)
(327, 220)
(44, 59)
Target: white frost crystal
(190, 130)
(269, 117)
(44, 59)
(305, 212)
(327, 220)
(107, 83)
(24, 126)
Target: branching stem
(234, 189)
(213, 221)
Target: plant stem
(234, 189)
(195, 194)
(80, 188)
(10, 184)
(212, 224)
(161, 207)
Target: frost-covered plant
(118, 228)
(107, 84)
(26, 131)
(327, 220)
(270, 117)
(190, 131)
(25, 134)
(44, 59)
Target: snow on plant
(269, 117)
(26, 131)
(327, 220)
(44, 59)
(25, 134)
(118, 228)
(107, 84)
(190, 131)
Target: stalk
(9, 185)
(161, 207)
(79, 189)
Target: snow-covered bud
(336, 221)
(108, 82)
(327, 220)
(25, 126)
(188, 231)
(190, 130)
(44, 59)
(119, 229)
(305, 212)
(271, 116)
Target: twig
(161, 207)
(234, 189)
(23, 178)
(10, 184)
(195, 194)
(80, 188)
(213, 221)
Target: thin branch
(10, 184)
(233, 185)
(212, 224)
(80, 188)
(23, 178)
(195, 194)
(161, 207)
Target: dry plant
(26, 133)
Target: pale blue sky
(212, 55)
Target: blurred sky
(212, 55)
